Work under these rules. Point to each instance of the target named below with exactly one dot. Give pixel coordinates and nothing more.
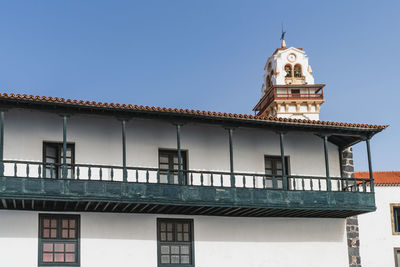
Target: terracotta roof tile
(76, 102)
(382, 178)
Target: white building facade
(97, 184)
(380, 230)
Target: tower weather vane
(283, 33)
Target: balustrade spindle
(78, 172)
(222, 181)
(15, 169)
(158, 176)
(51, 170)
(147, 175)
(101, 174)
(347, 184)
(27, 170)
(338, 185)
(191, 178)
(201, 179)
(90, 173)
(263, 181)
(364, 186)
(39, 170)
(112, 174)
(212, 180)
(311, 184)
(274, 182)
(254, 181)
(244, 181)
(137, 175)
(355, 185)
(302, 183)
(319, 184)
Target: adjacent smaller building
(380, 230)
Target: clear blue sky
(207, 54)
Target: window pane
(64, 234)
(71, 223)
(164, 249)
(169, 227)
(169, 237)
(165, 259)
(46, 223)
(174, 250)
(70, 247)
(53, 233)
(174, 259)
(71, 233)
(179, 237)
(163, 236)
(48, 247)
(279, 164)
(70, 257)
(184, 249)
(51, 151)
(46, 233)
(186, 237)
(64, 223)
(59, 247)
(185, 260)
(53, 223)
(59, 257)
(47, 257)
(268, 164)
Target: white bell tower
(289, 90)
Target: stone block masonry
(353, 237)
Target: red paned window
(59, 240)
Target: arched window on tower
(288, 70)
(297, 71)
(268, 82)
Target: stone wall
(353, 239)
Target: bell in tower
(289, 90)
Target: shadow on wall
(20, 224)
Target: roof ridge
(37, 98)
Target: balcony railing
(202, 178)
(284, 92)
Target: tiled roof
(82, 103)
(382, 178)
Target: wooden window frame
(392, 206)
(59, 147)
(275, 158)
(396, 250)
(59, 228)
(159, 242)
(172, 152)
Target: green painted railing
(32, 169)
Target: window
(295, 92)
(297, 71)
(175, 242)
(52, 158)
(168, 164)
(59, 240)
(397, 257)
(395, 214)
(268, 82)
(273, 169)
(288, 70)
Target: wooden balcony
(28, 185)
(290, 93)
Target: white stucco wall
(98, 141)
(130, 240)
(377, 242)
